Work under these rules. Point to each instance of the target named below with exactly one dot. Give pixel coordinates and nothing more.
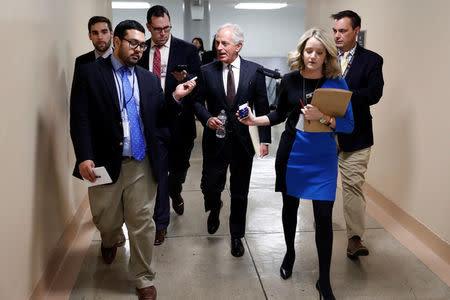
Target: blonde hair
(331, 67)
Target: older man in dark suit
(165, 52)
(362, 70)
(118, 120)
(224, 85)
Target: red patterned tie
(157, 62)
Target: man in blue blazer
(224, 85)
(362, 69)
(171, 53)
(118, 120)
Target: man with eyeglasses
(164, 54)
(100, 33)
(118, 120)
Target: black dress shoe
(287, 265)
(160, 236)
(213, 219)
(324, 295)
(237, 249)
(178, 204)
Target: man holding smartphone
(173, 61)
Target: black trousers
(179, 155)
(234, 155)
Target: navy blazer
(84, 59)
(181, 53)
(211, 99)
(96, 123)
(365, 79)
(81, 60)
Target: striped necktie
(344, 61)
(157, 62)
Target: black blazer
(181, 53)
(95, 119)
(81, 60)
(84, 59)
(365, 80)
(251, 89)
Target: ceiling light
(130, 5)
(247, 5)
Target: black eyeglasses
(133, 45)
(161, 29)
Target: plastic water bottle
(220, 133)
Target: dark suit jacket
(251, 89)
(181, 53)
(84, 59)
(365, 80)
(95, 119)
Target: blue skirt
(312, 166)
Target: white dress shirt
(164, 50)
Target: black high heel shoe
(329, 296)
(286, 266)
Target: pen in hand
(301, 102)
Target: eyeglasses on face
(161, 29)
(133, 45)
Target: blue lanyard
(125, 102)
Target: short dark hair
(156, 11)
(99, 19)
(354, 18)
(121, 29)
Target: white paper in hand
(102, 177)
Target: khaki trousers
(353, 167)
(131, 200)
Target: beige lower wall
(40, 40)
(410, 159)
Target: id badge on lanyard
(126, 124)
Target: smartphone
(180, 68)
(243, 111)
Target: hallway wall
(410, 160)
(40, 40)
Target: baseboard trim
(62, 270)
(425, 244)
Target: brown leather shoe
(178, 204)
(355, 248)
(108, 254)
(160, 236)
(147, 293)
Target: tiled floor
(192, 264)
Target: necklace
(308, 97)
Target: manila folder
(332, 102)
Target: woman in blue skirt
(306, 162)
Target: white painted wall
(267, 32)
(39, 194)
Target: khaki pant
(131, 200)
(353, 167)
